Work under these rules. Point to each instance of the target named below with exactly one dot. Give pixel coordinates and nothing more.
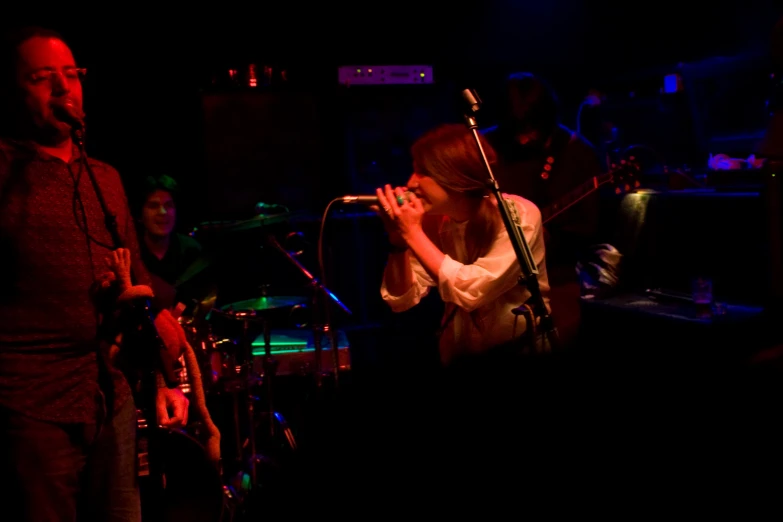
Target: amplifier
(384, 74)
(294, 351)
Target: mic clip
(472, 98)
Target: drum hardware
(216, 358)
(264, 303)
(234, 370)
(226, 374)
(228, 367)
(256, 222)
(318, 293)
(254, 311)
(245, 374)
(231, 503)
(295, 352)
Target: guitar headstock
(625, 175)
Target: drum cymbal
(260, 221)
(260, 304)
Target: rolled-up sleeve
(472, 286)
(422, 283)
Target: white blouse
(489, 287)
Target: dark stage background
(153, 103)
(158, 99)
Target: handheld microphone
(368, 200)
(67, 112)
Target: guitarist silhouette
(543, 161)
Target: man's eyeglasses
(48, 75)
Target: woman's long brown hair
(449, 155)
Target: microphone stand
(161, 361)
(141, 328)
(521, 248)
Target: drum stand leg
(273, 418)
(237, 426)
(270, 370)
(248, 372)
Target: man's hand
(172, 408)
(120, 263)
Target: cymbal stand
(247, 373)
(270, 369)
(318, 330)
(247, 378)
(319, 291)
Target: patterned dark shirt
(54, 241)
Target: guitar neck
(573, 197)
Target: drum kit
(243, 348)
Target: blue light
(670, 84)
